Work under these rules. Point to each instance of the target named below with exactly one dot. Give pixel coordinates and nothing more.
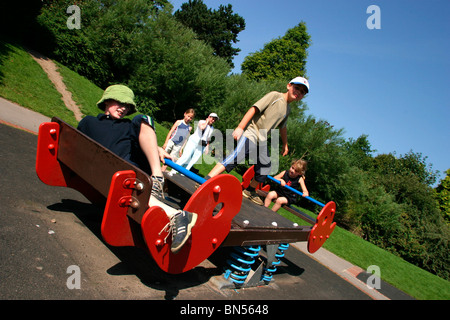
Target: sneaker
(158, 187)
(181, 225)
(253, 196)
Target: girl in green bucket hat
(135, 141)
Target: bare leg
(280, 201)
(168, 209)
(149, 144)
(269, 198)
(218, 169)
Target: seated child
(135, 141)
(294, 178)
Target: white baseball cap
(301, 80)
(214, 115)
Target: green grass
(394, 270)
(84, 93)
(23, 81)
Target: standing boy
(270, 112)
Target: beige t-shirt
(273, 113)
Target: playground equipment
(68, 158)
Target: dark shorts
(257, 155)
(291, 198)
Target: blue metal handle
(296, 191)
(184, 171)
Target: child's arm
(149, 146)
(303, 185)
(237, 133)
(279, 178)
(202, 124)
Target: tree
(103, 49)
(321, 145)
(360, 152)
(406, 178)
(174, 71)
(282, 58)
(218, 28)
(117, 31)
(442, 195)
(73, 48)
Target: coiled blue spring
(270, 270)
(240, 263)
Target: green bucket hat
(120, 93)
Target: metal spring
(270, 270)
(240, 262)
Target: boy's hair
(300, 166)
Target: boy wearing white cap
(268, 113)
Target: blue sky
(390, 83)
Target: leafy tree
(410, 164)
(174, 71)
(282, 58)
(218, 28)
(321, 145)
(139, 43)
(103, 49)
(239, 96)
(442, 195)
(406, 178)
(73, 48)
(360, 152)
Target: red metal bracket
(247, 178)
(209, 232)
(116, 228)
(323, 228)
(48, 167)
